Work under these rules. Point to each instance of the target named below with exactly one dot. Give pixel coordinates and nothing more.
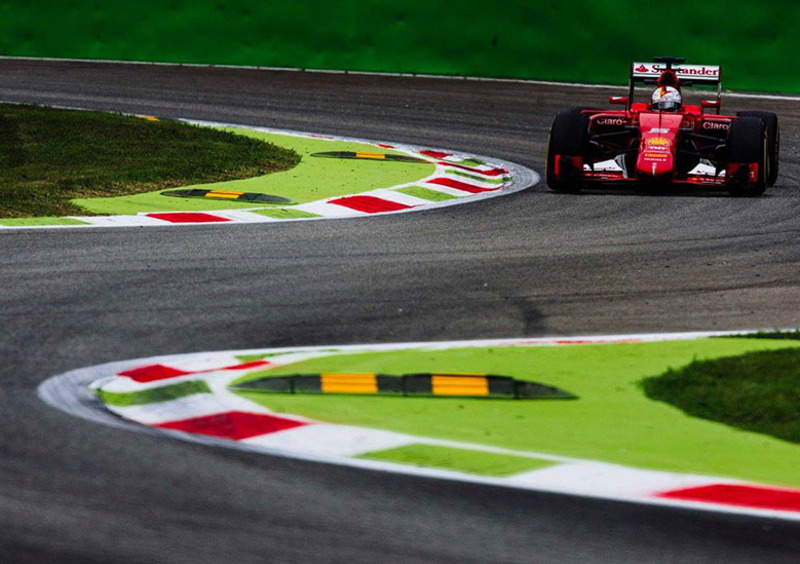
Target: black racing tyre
(747, 143)
(773, 142)
(569, 136)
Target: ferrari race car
(664, 142)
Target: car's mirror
(622, 100)
(710, 104)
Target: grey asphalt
(530, 264)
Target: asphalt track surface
(530, 264)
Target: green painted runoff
(459, 459)
(613, 420)
(313, 179)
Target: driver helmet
(666, 99)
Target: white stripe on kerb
(326, 440)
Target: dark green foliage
(758, 391)
(48, 156)
(780, 335)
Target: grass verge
(758, 391)
(163, 393)
(459, 459)
(49, 156)
(780, 335)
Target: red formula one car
(664, 142)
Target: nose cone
(655, 163)
(657, 149)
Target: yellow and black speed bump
(408, 385)
(369, 156)
(244, 197)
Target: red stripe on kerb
(152, 373)
(234, 425)
(489, 172)
(756, 497)
(369, 204)
(458, 185)
(384, 146)
(434, 154)
(181, 217)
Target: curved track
(533, 263)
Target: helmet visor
(668, 105)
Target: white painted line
(458, 78)
(444, 190)
(120, 220)
(331, 440)
(513, 342)
(399, 197)
(781, 97)
(189, 407)
(611, 479)
(323, 208)
(239, 216)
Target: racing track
(534, 263)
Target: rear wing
(663, 71)
(688, 75)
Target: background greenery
(582, 40)
(49, 156)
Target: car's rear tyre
(773, 142)
(747, 144)
(568, 138)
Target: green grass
(485, 179)
(781, 335)
(313, 179)
(426, 193)
(154, 395)
(758, 391)
(613, 420)
(49, 156)
(39, 221)
(460, 459)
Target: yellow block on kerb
(459, 385)
(349, 383)
(370, 156)
(223, 194)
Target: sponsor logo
(697, 71)
(659, 130)
(716, 125)
(682, 71)
(610, 121)
(650, 156)
(660, 141)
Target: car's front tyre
(747, 157)
(566, 146)
(773, 142)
